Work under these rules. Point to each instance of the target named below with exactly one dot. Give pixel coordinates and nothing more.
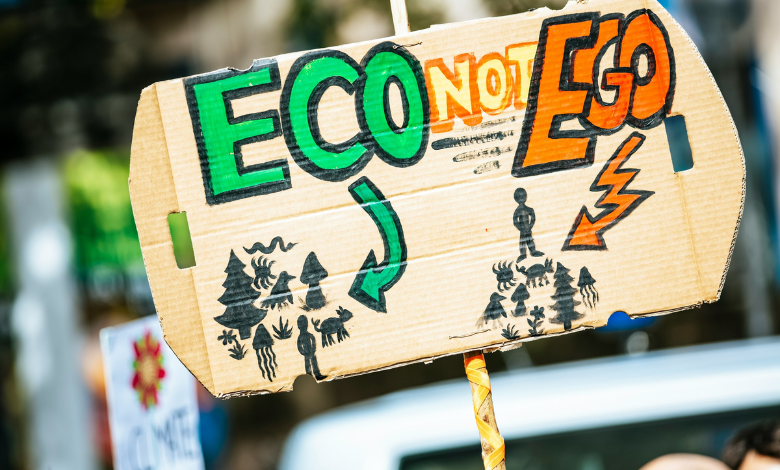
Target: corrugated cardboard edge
(153, 198)
(693, 177)
(741, 157)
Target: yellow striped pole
(492, 442)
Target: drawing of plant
(510, 333)
(238, 351)
(284, 331)
(226, 337)
(538, 314)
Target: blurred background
(70, 263)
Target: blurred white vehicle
(607, 414)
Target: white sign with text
(152, 403)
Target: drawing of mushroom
(312, 274)
(519, 297)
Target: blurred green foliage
(6, 273)
(101, 216)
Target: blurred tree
(71, 73)
(102, 218)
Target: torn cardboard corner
(362, 207)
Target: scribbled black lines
(493, 123)
(478, 139)
(334, 325)
(277, 241)
(482, 153)
(487, 167)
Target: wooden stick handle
(400, 17)
(492, 442)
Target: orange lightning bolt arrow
(617, 202)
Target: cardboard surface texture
(468, 186)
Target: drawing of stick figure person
(307, 346)
(524, 220)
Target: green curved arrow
(374, 279)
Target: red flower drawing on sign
(149, 371)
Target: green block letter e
(220, 135)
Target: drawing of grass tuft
(237, 352)
(284, 331)
(510, 333)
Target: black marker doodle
(263, 274)
(237, 351)
(493, 312)
(564, 299)
(493, 123)
(227, 337)
(266, 359)
(484, 153)
(307, 346)
(239, 298)
(487, 167)
(333, 325)
(284, 331)
(588, 289)
(519, 297)
(524, 220)
(510, 333)
(536, 274)
(538, 314)
(312, 274)
(504, 275)
(271, 247)
(280, 296)
(453, 142)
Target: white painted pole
(400, 17)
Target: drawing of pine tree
(564, 299)
(239, 298)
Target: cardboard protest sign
(464, 187)
(152, 406)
